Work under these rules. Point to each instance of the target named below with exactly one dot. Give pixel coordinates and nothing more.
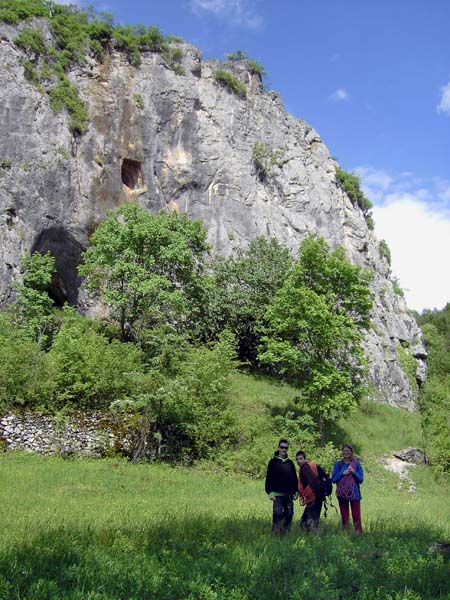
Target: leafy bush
(228, 80)
(20, 364)
(139, 101)
(254, 66)
(86, 369)
(351, 185)
(31, 40)
(398, 290)
(173, 57)
(65, 95)
(265, 158)
(435, 399)
(182, 408)
(385, 251)
(15, 11)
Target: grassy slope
(109, 530)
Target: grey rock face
(167, 141)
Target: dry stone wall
(78, 434)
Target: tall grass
(110, 530)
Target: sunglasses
(284, 447)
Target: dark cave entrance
(67, 252)
(132, 173)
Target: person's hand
(351, 469)
(272, 498)
(348, 471)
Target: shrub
(385, 251)
(228, 80)
(398, 290)
(139, 101)
(20, 364)
(173, 58)
(265, 158)
(85, 368)
(65, 95)
(351, 185)
(254, 66)
(31, 40)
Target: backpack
(326, 486)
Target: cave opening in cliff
(132, 173)
(67, 251)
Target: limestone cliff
(167, 140)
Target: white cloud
(340, 95)
(414, 219)
(237, 12)
(444, 104)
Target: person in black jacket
(281, 485)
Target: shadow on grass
(216, 559)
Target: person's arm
(359, 473)
(268, 485)
(294, 481)
(338, 471)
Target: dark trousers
(311, 515)
(356, 513)
(283, 511)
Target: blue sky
(373, 78)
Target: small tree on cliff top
(316, 325)
(148, 269)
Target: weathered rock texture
(187, 145)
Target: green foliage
(435, 399)
(85, 368)
(20, 358)
(15, 11)
(385, 251)
(147, 269)
(34, 306)
(242, 287)
(315, 330)
(139, 101)
(31, 40)
(182, 409)
(173, 57)
(265, 158)
(398, 290)
(254, 66)
(409, 366)
(228, 80)
(65, 95)
(351, 185)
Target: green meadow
(111, 530)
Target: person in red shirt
(310, 491)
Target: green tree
(147, 269)
(242, 288)
(34, 305)
(315, 329)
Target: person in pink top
(348, 475)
